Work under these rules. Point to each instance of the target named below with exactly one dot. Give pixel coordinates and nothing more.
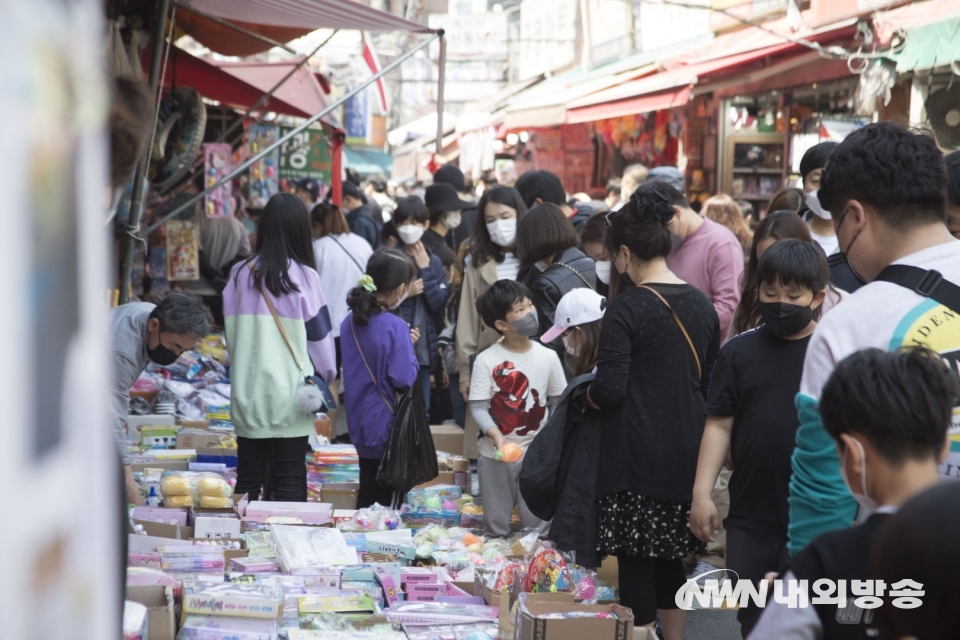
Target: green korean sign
(306, 155)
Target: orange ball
(510, 452)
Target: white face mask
(402, 297)
(813, 201)
(503, 232)
(574, 351)
(410, 233)
(452, 221)
(602, 268)
(867, 504)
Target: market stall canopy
(218, 84)
(368, 162)
(930, 46)
(301, 90)
(416, 130)
(279, 20)
(672, 87)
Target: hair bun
(651, 206)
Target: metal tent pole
(441, 78)
(136, 198)
(293, 132)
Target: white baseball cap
(577, 307)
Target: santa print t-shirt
(755, 380)
(517, 385)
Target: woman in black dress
(659, 340)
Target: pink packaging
(424, 589)
(391, 593)
(162, 515)
(308, 512)
(418, 575)
(418, 597)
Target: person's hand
(768, 577)
(465, 390)
(704, 520)
(414, 334)
(133, 491)
(445, 381)
(416, 287)
(498, 440)
(419, 254)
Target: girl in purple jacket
(378, 360)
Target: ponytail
(386, 271)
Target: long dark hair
(595, 230)
(778, 225)
(283, 236)
(642, 225)
(545, 231)
(589, 349)
(481, 247)
(388, 268)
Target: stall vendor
(144, 333)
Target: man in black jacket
(541, 186)
(359, 216)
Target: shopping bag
(410, 457)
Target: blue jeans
(459, 405)
(423, 379)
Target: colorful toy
(508, 574)
(510, 452)
(548, 573)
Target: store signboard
(357, 118)
(548, 35)
(306, 155)
(471, 37)
(611, 30)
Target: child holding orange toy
(515, 384)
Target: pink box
(456, 595)
(414, 597)
(424, 589)
(308, 512)
(163, 515)
(391, 593)
(418, 575)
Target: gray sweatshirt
(129, 360)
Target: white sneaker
(705, 571)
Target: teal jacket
(819, 499)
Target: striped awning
(306, 14)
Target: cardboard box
(158, 600)
(228, 604)
(418, 576)
(447, 438)
(342, 495)
(134, 423)
(154, 437)
(204, 440)
(218, 454)
(163, 530)
(161, 515)
(391, 590)
(214, 528)
(510, 604)
(164, 465)
(424, 518)
(444, 477)
(317, 513)
(240, 506)
(194, 424)
(530, 627)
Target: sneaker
(705, 571)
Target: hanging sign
(305, 155)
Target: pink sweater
(711, 259)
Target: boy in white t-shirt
(514, 385)
(885, 189)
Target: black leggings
(648, 584)
(370, 491)
(278, 466)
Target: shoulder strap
(349, 255)
(276, 318)
(579, 275)
(928, 283)
(676, 319)
(373, 378)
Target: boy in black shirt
(889, 413)
(750, 411)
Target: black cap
(443, 197)
(352, 190)
(311, 186)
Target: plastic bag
(216, 502)
(410, 457)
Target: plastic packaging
(178, 501)
(223, 628)
(214, 487)
(192, 559)
(134, 621)
(216, 502)
(410, 457)
(375, 518)
(189, 488)
(549, 573)
(510, 452)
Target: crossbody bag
(676, 319)
(349, 255)
(369, 370)
(308, 402)
(929, 283)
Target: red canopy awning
(231, 88)
(301, 91)
(279, 20)
(630, 106)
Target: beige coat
(473, 336)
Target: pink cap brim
(552, 334)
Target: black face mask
(161, 355)
(784, 319)
(845, 253)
